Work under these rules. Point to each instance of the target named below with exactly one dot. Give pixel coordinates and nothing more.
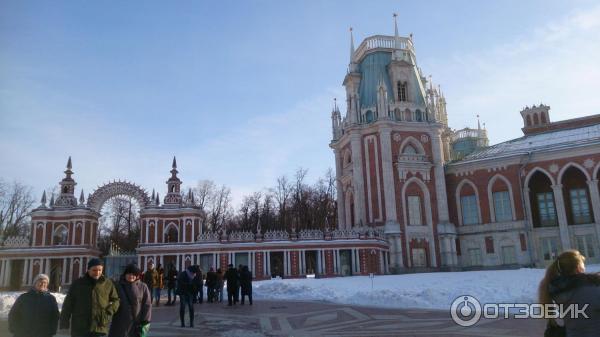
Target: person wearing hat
(185, 290)
(135, 309)
(91, 302)
(35, 313)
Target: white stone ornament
(553, 168)
(589, 163)
(424, 139)
(397, 137)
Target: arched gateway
(64, 234)
(97, 199)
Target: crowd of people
(97, 306)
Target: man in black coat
(198, 286)
(35, 313)
(233, 278)
(211, 284)
(185, 290)
(171, 283)
(246, 284)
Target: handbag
(554, 330)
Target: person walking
(35, 313)
(185, 290)
(211, 285)
(91, 302)
(566, 283)
(220, 284)
(159, 282)
(171, 283)
(151, 279)
(246, 284)
(135, 310)
(232, 278)
(198, 286)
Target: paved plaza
(308, 319)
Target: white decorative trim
(572, 164)
(553, 168)
(538, 169)
(589, 163)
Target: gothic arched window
(61, 235)
(402, 92)
(369, 116)
(409, 149)
(419, 115)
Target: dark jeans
(156, 295)
(231, 296)
(249, 298)
(199, 296)
(169, 291)
(186, 299)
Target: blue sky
(241, 92)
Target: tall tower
(173, 197)
(390, 152)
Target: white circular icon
(465, 310)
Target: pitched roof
(539, 142)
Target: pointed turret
(66, 197)
(173, 197)
(52, 200)
(396, 27)
(81, 199)
(352, 67)
(153, 194)
(43, 201)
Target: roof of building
(539, 142)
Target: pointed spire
(81, 199)
(43, 201)
(52, 200)
(174, 163)
(478, 124)
(69, 165)
(157, 202)
(152, 194)
(351, 46)
(395, 26)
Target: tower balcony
(383, 42)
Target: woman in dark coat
(135, 310)
(566, 283)
(35, 313)
(246, 284)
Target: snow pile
(8, 298)
(425, 290)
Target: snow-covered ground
(425, 290)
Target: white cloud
(556, 64)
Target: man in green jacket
(90, 304)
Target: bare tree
(16, 201)
(204, 193)
(220, 208)
(120, 224)
(282, 194)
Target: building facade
(444, 198)
(412, 194)
(64, 234)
